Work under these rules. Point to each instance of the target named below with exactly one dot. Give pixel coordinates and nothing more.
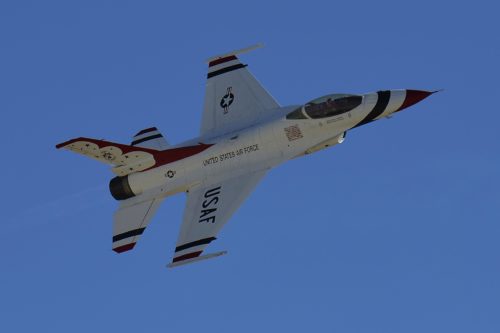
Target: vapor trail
(61, 209)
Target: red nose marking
(413, 97)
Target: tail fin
(150, 138)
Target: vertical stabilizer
(150, 138)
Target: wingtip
(65, 143)
(259, 45)
(124, 248)
(235, 52)
(191, 259)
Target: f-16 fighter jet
(244, 133)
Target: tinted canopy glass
(332, 105)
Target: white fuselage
(263, 145)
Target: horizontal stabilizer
(129, 222)
(200, 258)
(127, 159)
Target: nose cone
(413, 97)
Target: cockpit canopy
(327, 106)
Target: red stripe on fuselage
(176, 154)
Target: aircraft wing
(208, 208)
(233, 97)
(130, 221)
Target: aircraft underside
(244, 133)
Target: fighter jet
(244, 133)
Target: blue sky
(396, 230)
